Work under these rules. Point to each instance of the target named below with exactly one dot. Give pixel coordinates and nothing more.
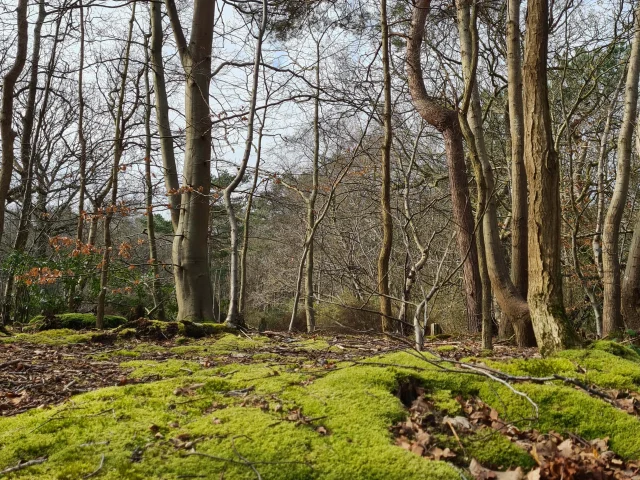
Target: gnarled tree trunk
(550, 323)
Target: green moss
(50, 337)
(446, 348)
(167, 369)
(494, 450)
(244, 408)
(78, 321)
(357, 406)
(616, 349)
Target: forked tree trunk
(171, 182)
(611, 311)
(550, 323)
(446, 122)
(189, 252)
(511, 302)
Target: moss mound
(297, 422)
(73, 321)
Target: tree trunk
(550, 323)
(112, 207)
(6, 109)
(446, 122)
(26, 161)
(158, 303)
(519, 256)
(611, 311)
(247, 220)
(189, 252)
(511, 302)
(233, 314)
(385, 192)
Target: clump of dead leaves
(557, 456)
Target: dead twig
(95, 472)
(21, 465)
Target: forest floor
(79, 405)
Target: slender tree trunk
(81, 138)
(446, 122)
(611, 312)
(550, 323)
(233, 314)
(507, 295)
(189, 252)
(519, 256)
(385, 193)
(158, 303)
(247, 220)
(6, 108)
(171, 182)
(118, 147)
(602, 183)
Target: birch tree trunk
(247, 221)
(550, 323)
(189, 251)
(611, 310)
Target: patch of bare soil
(37, 376)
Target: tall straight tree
(189, 251)
(550, 323)
(446, 122)
(385, 192)
(611, 309)
(519, 257)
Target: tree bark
(171, 182)
(189, 251)
(519, 256)
(446, 122)
(511, 302)
(6, 109)
(385, 192)
(550, 323)
(611, 311)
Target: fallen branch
(22, 465)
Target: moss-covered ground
(235, 407)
